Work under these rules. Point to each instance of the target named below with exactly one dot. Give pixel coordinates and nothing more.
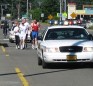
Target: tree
(45, 6)
(36, 14)
(50, 7)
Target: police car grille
(70, 49)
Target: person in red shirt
(34, 33)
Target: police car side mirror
(90, 37)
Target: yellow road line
(21, 76)
(7, 55)
(4, 50)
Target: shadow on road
(8, 74)
(62, 67)
(4, 44)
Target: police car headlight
(51, 50)
(88, 49)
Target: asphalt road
(19, 68)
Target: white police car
(65, 44)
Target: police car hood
(57, 43)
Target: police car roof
(63, 26)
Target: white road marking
(4, 39)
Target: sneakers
(33, 47)
(36, 46)
(21, 47)
(17, 47)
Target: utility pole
(19, 11)
(1, 11)
(5, 6)
(12, 6)
(30, 5)
(60, 10)
(27, 8)
(65, 5)
(61, 4)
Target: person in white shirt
(17, 33)
(23, 32)
(27, 31)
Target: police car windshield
(66, 33)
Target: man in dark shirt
(5, 27)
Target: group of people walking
(21, 33)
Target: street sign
(73, 15)
(42, 14)
(2, 18)
(50, 17)
(64, 14)
(24, 16)
(59, 14)
(8, 15)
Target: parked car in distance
(65, 44)
(12, 36)
(89, 23)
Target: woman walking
(17, 33)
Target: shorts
(23, 36)
(34, 34)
